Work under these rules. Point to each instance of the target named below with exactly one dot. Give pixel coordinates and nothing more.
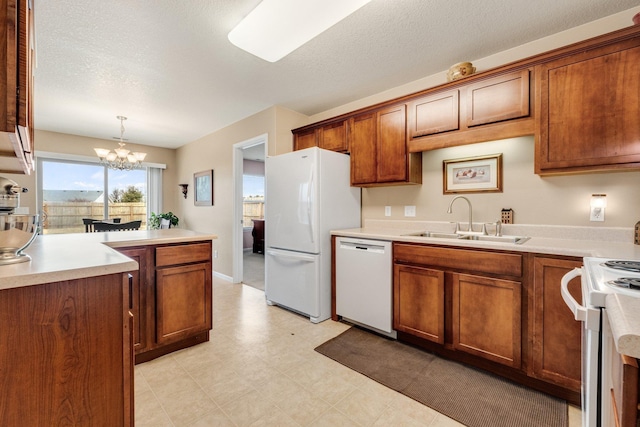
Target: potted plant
(154, 221)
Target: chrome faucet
(470, 211)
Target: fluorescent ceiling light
(275, 28)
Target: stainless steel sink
(518, 240)
(436, 235)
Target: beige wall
(215, 151)
(556, 200)
(83, 146)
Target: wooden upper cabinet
(378, 147)
(304, 139)
(484, 109)
(500, 98)
(556, 334)
(362, 144)
(589, 110)
(331, 136)
(433, 114)
(16, 112)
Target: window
(253, 198)
(70, 191)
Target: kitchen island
(71, 316)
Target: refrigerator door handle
(310, 205)
(293, 256)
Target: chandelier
(120, 158)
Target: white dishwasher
(364, 288)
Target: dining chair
(88, 224)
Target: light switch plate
(597, 214)
(409, 211)
(387, 211)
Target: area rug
(469, 396)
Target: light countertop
(57, 257)
(554, 240)
(623, 312)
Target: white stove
(605, 276)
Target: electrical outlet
(409, 211)
(215, 254)
(387, 211)
(597, 214)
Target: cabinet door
(65, 353)
(183, 301)
(362, 144)
(139, 303)
(392, 144)
(305, 139)
(433, 114)
(556, 334)
(418, 300)
(500, 98)
(487, 318)
(334, 137)
(589, 113)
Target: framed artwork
(203, 184)
(473, 175)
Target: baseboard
(223, 276)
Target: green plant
(154, 221)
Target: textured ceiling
(167, 64)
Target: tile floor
(260, 369)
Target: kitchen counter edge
(60, 257)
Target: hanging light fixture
(120, 158)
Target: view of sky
(72, 176)
(253, 185)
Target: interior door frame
(237, 244)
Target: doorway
(248, 212)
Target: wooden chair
(109, 226)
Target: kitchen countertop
(554, 240)
(623, 312)
(58, 257)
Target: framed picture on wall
(473, 175)
(203, 184)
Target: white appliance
(364, 287)
(308, 194)
(599, 277)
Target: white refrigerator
(308, 194)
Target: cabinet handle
(130, 291)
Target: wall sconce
(598, 205)
(184, 189)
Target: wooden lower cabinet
(63, 359)
(172, 297)
(183, 301)
(487, 318)
(556, 334)
(418, 298)
(497, 310)
(139, 293)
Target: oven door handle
(579, 312)
(591, 317)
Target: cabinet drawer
(503, 264)
(182, 254)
